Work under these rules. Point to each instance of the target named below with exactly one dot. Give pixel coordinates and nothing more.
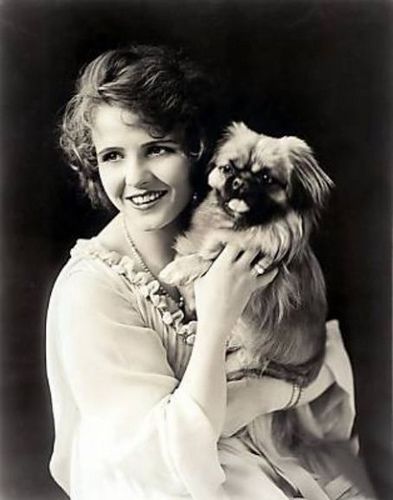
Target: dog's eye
(226, 169)
(268, 179)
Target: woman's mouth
(147, 199)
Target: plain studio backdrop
(317, 69)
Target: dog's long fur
(266, 194)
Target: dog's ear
(237, 129)
(310, 185)
(211, 164)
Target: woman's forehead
(107, 116)
(112, 120)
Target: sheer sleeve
(329, 416)
(135, 430)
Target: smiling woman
(141, 403)
(169, 93)
(146, 178)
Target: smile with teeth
(146, 198)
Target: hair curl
(162, 85)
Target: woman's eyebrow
(161, 141)
(109, 149)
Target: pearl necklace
(138, 256)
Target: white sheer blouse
(116, 350)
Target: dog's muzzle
(238, 185)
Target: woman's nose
(136, 172)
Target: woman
(141, 404)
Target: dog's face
(258, 178)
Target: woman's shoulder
(88, 257)
(94, 260)
(92, 294)
(93, 273)
(89, 271)
(92, 250)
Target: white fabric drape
(123, 429)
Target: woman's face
(145, 177)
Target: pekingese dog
(266, 193)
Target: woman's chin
(151, 220)
(147, 222)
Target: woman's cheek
(112, 184)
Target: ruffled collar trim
(147, 284)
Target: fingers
(265, 279)
(230, 253)
(259, 267)
(265, 262)
(226, 257)
(249, 256)
(233, 254)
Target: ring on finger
(259, 269)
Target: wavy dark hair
(167, 89)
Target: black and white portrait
(196, 249)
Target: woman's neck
(155, 247)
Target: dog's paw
(184, 270)
(211, 250)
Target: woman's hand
(220, 297)
(222, 294)
(249, 398)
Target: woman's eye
(154, 151)
(111, 156)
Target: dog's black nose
(237, 184)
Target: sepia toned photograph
(196, 249)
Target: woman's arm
(221, 296)
(122, 422)
(249, 398)
(119, 409)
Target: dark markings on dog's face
(258, 179)
(250, 182)
(250, 198)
